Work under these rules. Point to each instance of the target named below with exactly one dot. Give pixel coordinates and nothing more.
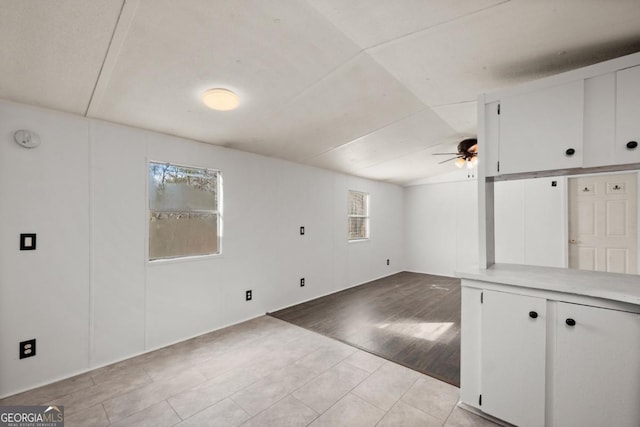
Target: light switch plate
(28, 241)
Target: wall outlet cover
(28, 348)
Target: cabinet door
(599, 120)
(490, 155)
(597, 367)
(537, 129)
(513, 358)
(627, 115)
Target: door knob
(570, 322)
(533, 314)
(573, 241)
(570, 152)
(632, 144)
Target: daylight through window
(358, 215)
(184, 211)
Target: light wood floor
(409, 318)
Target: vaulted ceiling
(367, 87)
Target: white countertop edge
(610, 286)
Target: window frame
(218, 212)
(367, 217)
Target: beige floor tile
(159, 415)
(107, 389)
(350, 411)
(212, 391)
(327, 388)
(288, 412)
(293, 376)
(259, 396)
(461, 418)
(245, 355)
(386, 385)
(434, 397)
(405, 415)
(326, 357)
(141, 398)
(94, 416)
(48, 394)
(367, 361)
(225, 413)
(124, 369)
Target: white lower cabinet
(597, 367)
(541, 361)
(513, 357)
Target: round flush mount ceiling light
(221, 99)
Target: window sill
(178, 260)
(358, 240)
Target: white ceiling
(366, 87)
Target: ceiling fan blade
(444, 154)
(448, 160)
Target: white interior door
(603, 223)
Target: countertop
(611, 286)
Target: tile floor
(264, 372)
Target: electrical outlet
(249, 295)
(387, 261)
(302, 282)
(302, 231)
(28, 348)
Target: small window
(358, 215)
(184, 211)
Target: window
(358, 215)
(184, 211)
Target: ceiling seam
(106, 54)
(401, 156)
(125, 17)
(377, 45)
(366, 134)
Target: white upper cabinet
(599, 120)
(490, 153)
(581, 119)
(542, 130)
(627, 116)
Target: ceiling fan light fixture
(460, 162)
(221, 99)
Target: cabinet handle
(533, 314)
(570, 152)
(631, 145)
(570, 322)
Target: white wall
(88, 295)
(441, 224)
(441, 231)
(531, 221)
